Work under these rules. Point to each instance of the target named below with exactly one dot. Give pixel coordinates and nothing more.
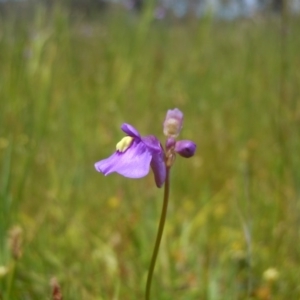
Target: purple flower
(134, 157)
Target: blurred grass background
(66, 86)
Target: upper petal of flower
(130, 130)
(133, 163)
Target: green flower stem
(11, 276)
(159, 234)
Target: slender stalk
(10, 279)
(159, 234)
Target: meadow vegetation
(66, 86)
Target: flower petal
(133, 163)
(158, 159)
(152, 143)
(158, 167)
(130, 130)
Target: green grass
(67, 85)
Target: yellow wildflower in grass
(3, 143)
(113, 202)
(271, 275)
(3, 271)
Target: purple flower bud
(185, 148)
(173, 123)
(170, 143)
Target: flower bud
(16, 242)
(185, 148)
(173, 123)
(170, 143)
(56, 289)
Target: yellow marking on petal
(124, 144)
